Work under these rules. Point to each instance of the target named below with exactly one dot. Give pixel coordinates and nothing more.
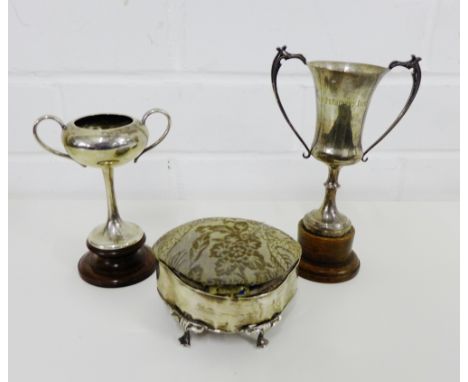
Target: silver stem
(328, 209)
(114, 221)
(327, 220)
(115, 233)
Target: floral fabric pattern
(228, 252)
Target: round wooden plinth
(117, 268)
(327, 259)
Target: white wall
(207, 63)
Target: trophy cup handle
(284, 55)
(39, 140)
(164, 134)
(416, 74)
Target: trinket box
(226, 275)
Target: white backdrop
(208, 63)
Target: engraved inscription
(342, 101)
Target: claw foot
(185, 339)
(261, 340)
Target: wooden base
(117, 268)
(327, 259)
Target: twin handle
(282, 54)
(412, 64)
(64, 126)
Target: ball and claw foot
(261, 340)
(185, 339)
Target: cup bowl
(104, 139)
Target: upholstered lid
(228, 256)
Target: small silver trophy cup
(343, 93)
(117, 255)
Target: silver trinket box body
(227, 275)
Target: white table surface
(398, 320)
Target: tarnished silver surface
(343, 93)
(197, 311)
(190, 325)
(260, 329)
(327, 220)
(227, 275)
(115, 233)
(106, 141)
